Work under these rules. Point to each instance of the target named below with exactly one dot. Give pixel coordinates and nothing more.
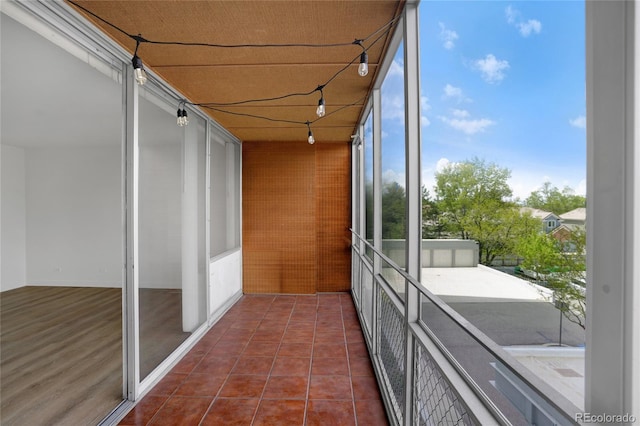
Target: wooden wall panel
(296, 213)
(279, 239)
(333, 216)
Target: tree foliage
(473, 201)
(432, 224)
(561, 265)
(498, 228)
(463, 188)
(552, 199)
(393, 211)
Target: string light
(182, 118)
(363, 68)
(185, 118)
(138, 70)
(321, 110)
(310, 138)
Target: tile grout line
(313, 339)
(346, 342)
(261, 398)
(182, 382)
(216, 396)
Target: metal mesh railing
(435, 402)
(391, 350)
(455, 347)
(366, 301)
(355, 275)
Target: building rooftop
(576, 214)
(561, 367)
(488, 284)
(537, 213)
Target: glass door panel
(171, 230)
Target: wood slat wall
(296, 212)
(333, 216)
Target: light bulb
(185, 118)
(310, 139)
(363, 68)
(179, 120)
(321, 109)
(138, 70)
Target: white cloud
(531, 26)
(424, 103)
(391, 175)
(424, 107)
(452, 92)
(512, 14)
(492, 69)
(467, 126)
(396, 69)
(442, 163)
(447, 36)
(393, 107)
(524, 181)
(526, 28)
(579, 122)
(460, 113)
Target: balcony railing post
(413, 191)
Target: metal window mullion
(413, 191)
(377, 209)
(354, 190)
(207, 222)
(362, 195)
(377, 176)
(355, 211)
(132, 359)
(632, 219)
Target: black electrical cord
(215, 106)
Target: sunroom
(174, 172)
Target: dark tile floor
(272, 360)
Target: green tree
(498, 228)
(462, 188)
(432, 224)
(552, 199)
(393, 211)
(561, 264)
(539, 252)
(473, 201)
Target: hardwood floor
(160, 326)
(61, 350)
(61, 355)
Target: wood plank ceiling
(225, 75)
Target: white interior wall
(225, 279)
(13, 227)
(219, 199)
(160, 194)
(73, 216)
(160, 212)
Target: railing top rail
(550, 395)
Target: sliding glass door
(62, 227)
(171, 228)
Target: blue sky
(502, 81)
